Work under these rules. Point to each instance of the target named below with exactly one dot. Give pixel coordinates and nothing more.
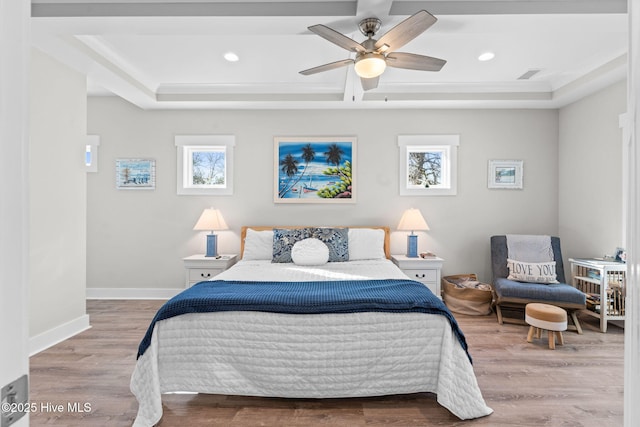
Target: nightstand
(200, 268)
(425, 270)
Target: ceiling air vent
(529, 74)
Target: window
(205, 164)
(91, 153)
(428, 165)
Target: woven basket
(466, 300)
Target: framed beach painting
(428, 165)
(135, 174)
(314, 170)
(505, 174)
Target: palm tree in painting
(289, 166)
(334, 155)
(308, 155)
(341, 189)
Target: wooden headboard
(243, 234)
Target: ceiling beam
(513, 7)
(87, 8)
(375, 8)
(62, 8)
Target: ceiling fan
(373, 56)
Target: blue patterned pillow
(283, 241)
(337, 239)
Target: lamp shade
(211, 219)
(413, 220)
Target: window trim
(185, 146)
(448, 145)
(92, 143)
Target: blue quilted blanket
(402, 296)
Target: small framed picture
(506, 174)
(135, 174)
(620, 255)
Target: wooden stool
(549, 317)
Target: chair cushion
(556, 292)
(499, 257)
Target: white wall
(590, 176)
(57, 218)
(136, 239)
(14, 189)
(632, 195)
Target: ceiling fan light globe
(370, 65)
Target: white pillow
(366, 243)
(258, 245)
(310, 251)
(532, 272)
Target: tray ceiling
(162, 54)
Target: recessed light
(231, 57)
(487, 56)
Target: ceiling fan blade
(412, 61)
(371, 83)
(327, 67)
(406, 31)
(337, 38)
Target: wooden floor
(578, 384)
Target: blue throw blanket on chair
(349, 296)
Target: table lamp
(412, 220)
(211, 219)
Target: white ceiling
(169, 54)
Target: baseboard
(132, 293)
(618, 323)
(58, 334)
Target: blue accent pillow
(283, 241)
(337, 239)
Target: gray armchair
(512, 294)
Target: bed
(264, 328)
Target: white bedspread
(266, 271)
(306, 356)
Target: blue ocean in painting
(505, 175)
(306, 179)
(135, 173)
